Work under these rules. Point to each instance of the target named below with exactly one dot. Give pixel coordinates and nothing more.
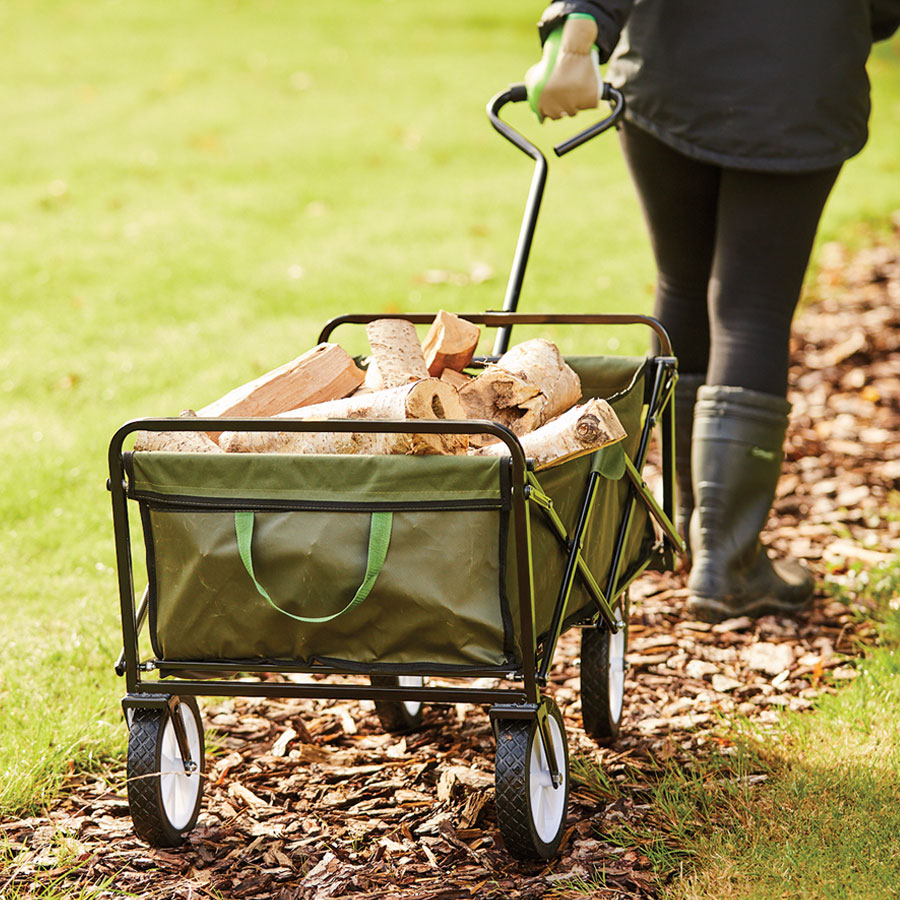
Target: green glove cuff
(545, 69)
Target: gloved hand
(567, 78)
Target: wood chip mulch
(309, 799)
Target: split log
(450, 343)
(581, 430)
(396, 354)
(526, 387)
(176, 441)
(430, 398)
(539, 361)
(324, 373)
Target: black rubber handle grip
(518, 93)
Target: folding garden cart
(399, 568)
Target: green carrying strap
(379, 540)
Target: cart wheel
(398, 716)
(531, 812)
(163, 797)
(603, 681)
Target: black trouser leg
(731, 250)
(765, 229)
(679, 198)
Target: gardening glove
(567, 78)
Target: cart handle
(518, 93)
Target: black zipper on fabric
(222, 504)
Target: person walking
(738, 118)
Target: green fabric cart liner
(446, 594)
(423, 606)
(607, 376)
(312, 557)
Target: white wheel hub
(412, 707)
(547, 802)
(616, 673)
(179, 788)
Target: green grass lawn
(803, 809)
(189, 191)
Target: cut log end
(528, 386)
(581, 430)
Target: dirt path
(309, 799)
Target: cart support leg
(572, 567)
(537, 495)
(659, 395)
(139, 619)
(129, 659)
(655, 509)
(184, 748)
(522, 524)
(543, 721)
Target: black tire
(398, 717)
(603, 681)
(164, 799)
(531, 814)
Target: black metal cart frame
(524, 701)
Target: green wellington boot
(736, 461)
(685, 396)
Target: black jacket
(772, 85)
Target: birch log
(430, 398)
(581, 430)
(450, 343)
(526, 387)
(176, 441)
(396, 354)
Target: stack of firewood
(530, 389)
